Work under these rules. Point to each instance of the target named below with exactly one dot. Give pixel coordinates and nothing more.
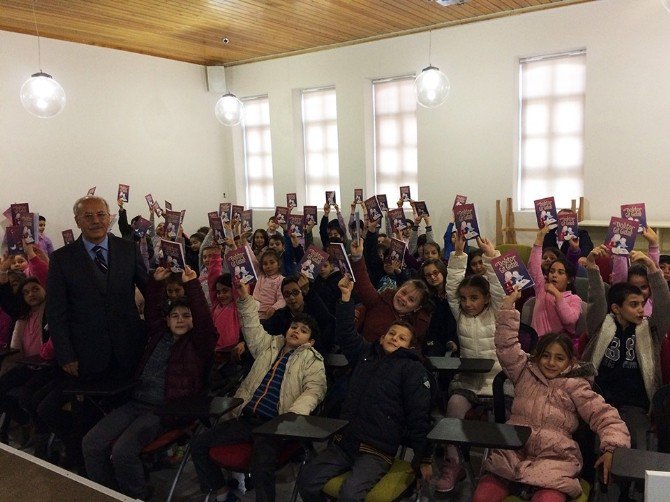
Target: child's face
(326, 269)
(174, 290)
(207, 256)
(334, 235)
(160, 229)
(33, 294)
(277, 245)
(473, 301)
(272, 225)
(547, 259)
(433, 276)
(553, 361)
(179, 321)
(558, 276)
(224, 294)
(293, 296)
(298, 334)
(477, 266)
(270, 265)
(407, 299)
(665, 268)
(631, 311)
(642, 283)
(19, 263)
(42, 226)
(430, 252)
(259, 241)
(195, 244)
(396, 337)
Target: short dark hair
(637, 269)
(177, 302)
(664, 259)
(225, 280)
(404, 324)
(277, 237)
(291, 279)
(308, 321)
(619, 292)
(203, 230)
(42, 218)
(198, 236)
(553, 250)
(548, 339)
(174, 278)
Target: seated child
(179, 349)
(388, 401)
(552, 392)
(268, 288)
(288, 376)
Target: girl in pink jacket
(268, 288)
(552, 392)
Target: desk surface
(628, 463)
(478, 433)
(200, 406)
(462, 365)
(335, 360)
(36, 361)
(291, 426)
(98, 388)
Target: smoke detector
(447, 3)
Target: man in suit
(93, 321)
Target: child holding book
(552, 392)
(268, 288)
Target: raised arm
(204, 332)
(255, 336)
(660, 316)
(363, 286)
(510, 354)
(351, 343)
(496, 289)
(597, 304)
(455, 274)
(535, 261)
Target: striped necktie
(100, 259)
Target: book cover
(373, 209)
(338, 255)
(310, 214)
(358, 195)
(142, 226)
(397, 218)
(635, 212)
(225, 209)
(7, 213)
(68, 236)
(172, 224)
(247, 221)
(237, 213)
(421, 209)
(383, 202)
(291, 200)
(621, 235)
(567, 226)
(124, 192)
(173, 256)
(405, 195)
(216, 224)
(19, 209)
(158, 210)
(241, 265)
(460, 200)
(281, 215)
(396, 251)
(511, 271)
(330, 197)
(30, 227)
(545, 212)
(295, 225)
(183, 213)
(150, 201)
(14, 239)
(168, 205)
(312, 261)
(91, 191)
(465, 221)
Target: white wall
(468, 144)
(144, 121)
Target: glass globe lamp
(42, 96)
(229, 110)
(432, 87)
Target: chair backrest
(527, 311)
(527, 337)
(499, 409)
(582, 288)
(660, 410)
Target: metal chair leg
(182, 464)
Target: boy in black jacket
(388, 400)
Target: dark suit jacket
(90, 319)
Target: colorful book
(291, 200)
(310, 214)
(421, 209)
(225, 209)
(142, 227)
(241, 265)
(91, 191)
(405, 195)
(383, 202)
(14, 239)
(465, 221)
(358, 195)
(460, 200)
(124, 192)
(338, 256)
(247, 221)
(68, 236)
(19, 209)
(396, 251)
(621, 235)
(281, 215)
(397, 218)
(568, 226)
(216, 224)
(295, 225)
(7, 213)
(172, 224)
(635, 212)
(312, 261)
(545, 212)
(173, 255)
(373, 209)
(150, 201)
(30, 227)
(237, 213)
(168, 205)
(511, 271)
(331, 197)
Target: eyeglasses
(293, 292)
(432, 274)
(101, 215)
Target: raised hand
(161, 273)
(486, 246)
(539, 238)
(357, 247)
(639, 256)
(188, 274)
(509, 301)
(459, 245)
(651, 236)
(346, 287)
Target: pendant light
(229, 110)
(432, 86)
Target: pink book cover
(124, 192)
(247, 221)
(310, 214)
(312, 261)
(358, 195)
(621, 235)
(68, 236)
(216, 224)
(281, 213)
(237, 213)
(397, 218)
(18, 209)
(421, 209)
(396, 251)
(14, 239)
(383, 202)
(295, 225)
(373, 209)
(172, 223)
(224, 211)
(338, 256)
(168, 205)
(567, 226)
(405, 195)
(331, 198)
(30, 227)
(291, 200)
(545, 212)
(241, 265)
(460, 200)
(91, 191)
(511, 271)
(635, 212)
(465, 221)
(173, 256)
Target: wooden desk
(461, 365)
(631, 464)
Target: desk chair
(660, 414)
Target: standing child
(552, 392)
(259, 242)
(44, 243)
(268, 288)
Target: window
(551, 128)
(258, 153)
(322, 163)
(395, 152)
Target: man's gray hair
(80, 201)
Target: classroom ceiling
(194, 30)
